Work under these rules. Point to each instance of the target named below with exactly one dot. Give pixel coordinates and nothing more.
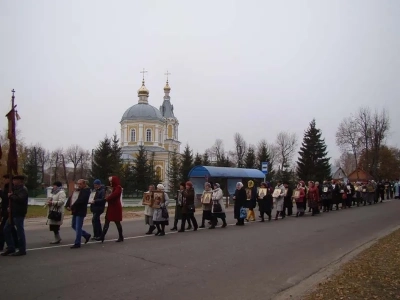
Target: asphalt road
(252, 262)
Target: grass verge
(35, 211)
(373, 274)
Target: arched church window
(133, 135)
(148, 135)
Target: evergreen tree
(153, 177)
(128, 178)
(250, 158)
(224, 161)
(198, 161)
(103, 161)
(186, 163)
(206, 160)
(116, 160)
(263, 155)
(141, 169)
(174, 172)
(313, 163)
(31, 168)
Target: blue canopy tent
(230, 176)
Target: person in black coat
(4, 213)
(18, 200)
(265, 201)
(97, 207)
(240, 202)
(79, 211)
(287, 200)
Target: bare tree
(74, 155)
(240, 150)
(55, 162)
(380, 125)
(348, 162)
(84, 164)
(363, 121)
(286, 144)
(43, 159)
(217, 151)
(348, 138)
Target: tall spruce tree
(263, 155)
(128, 178)
(103, 161)
(141, 169)
(154, 177)
(250, 158)
(174, 172)
(31, 168)
(313, 163)
(206, 160)
(116, 158)
(186, 163)
(198, 161)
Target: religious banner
(262, 192)
(206, 199)
(158, 198)
(248, 194)
(348, 189)
(91, 197)
(325, 189)
(146, 198)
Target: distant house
(359, 175)
(337, 173)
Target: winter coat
(253, 200)
(19, 201)
(288, 197)
(188, 199)
(114, 209)
(218, 198)
(313, 197)
(265, 204)
(57, 204)
(99, 201)
(178, 205)
(79, 208)
(326, 191)
(302, 195)
(4, 202)
(157, 215)
(240, 201)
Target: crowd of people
(325, 197)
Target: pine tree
(116, 161)
(313, 163)
(206, 160)
(198, 161)
(141, 169)
(128, 178)
(186, 163)
(152, 170)
(250, 158)
(263, 155)
(174, 172)
(31, 168)
(103, 161)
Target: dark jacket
(327, 191)
(265, 204)
(288, 198)
(99, 201)
(4, 201)
(253, 200)
(188, 199)
(240, 201)
(79, 208)
(19, 201)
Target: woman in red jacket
(114, 209)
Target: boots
(120, 236)
(103, 233)
(57, 239)
(277, 215)
(202, 223)
(151, 229)
(175, 228)
(224, 223)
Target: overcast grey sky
(254, 67)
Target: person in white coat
(279, 194)
(55, 210)
(217, 208)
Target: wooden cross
(167, 74)
(143, 72)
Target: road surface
(256, 261)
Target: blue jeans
(77, 224)
(18, 222)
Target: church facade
(156, 129)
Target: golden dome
(143, 91)
(167, 88)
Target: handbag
(54, 214)
(164, 212)
(217, 208)
(243, 213)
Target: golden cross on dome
(143, 72)
(167, 74)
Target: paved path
(252, 262)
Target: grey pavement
(256, 261)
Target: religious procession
(316, 197)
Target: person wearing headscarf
(178, 207)
(114, 209)
(188, 207)
(56, 203)
(265, 201)
(97, 206)
(218, 209)
(251, 201)
(240, 202)
(148, 214)
(279, 200)
(300, 196)
(313, 197)
(287, 200)
(206, 206)
(160, 216)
